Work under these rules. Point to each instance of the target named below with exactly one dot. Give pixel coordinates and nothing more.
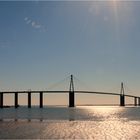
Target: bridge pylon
(122, 97)
(71, 93)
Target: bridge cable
(81, 83)
(127, 89)
(58, 83)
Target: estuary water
(82, 122)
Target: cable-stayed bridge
(71, 93)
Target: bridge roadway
(64, 91)
(71, 96)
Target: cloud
(26, 18)
(34, 24)
(29, 21)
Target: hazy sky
(43, 42)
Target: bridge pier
(122, 100)
(71, 99)
(29, 99)
(135, 101)
(41, 99)
(1, 100)
(16, 99)
(138, 101)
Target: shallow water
(83, 122)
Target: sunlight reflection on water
(83, 122)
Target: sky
(42, 43)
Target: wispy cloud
(34, 24)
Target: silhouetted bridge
(71, 92)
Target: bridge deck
(82, 92)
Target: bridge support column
(16, 99)
(1, 100)
(122, 97)
(29, 99)
(41, 99)
(122, 100)
(71, 93)
(138, 101)
(135, 101)
(71, 99)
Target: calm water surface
(83, 122)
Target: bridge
(71, 93)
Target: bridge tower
(71, 93)
(122, 97)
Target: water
(83, 122)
